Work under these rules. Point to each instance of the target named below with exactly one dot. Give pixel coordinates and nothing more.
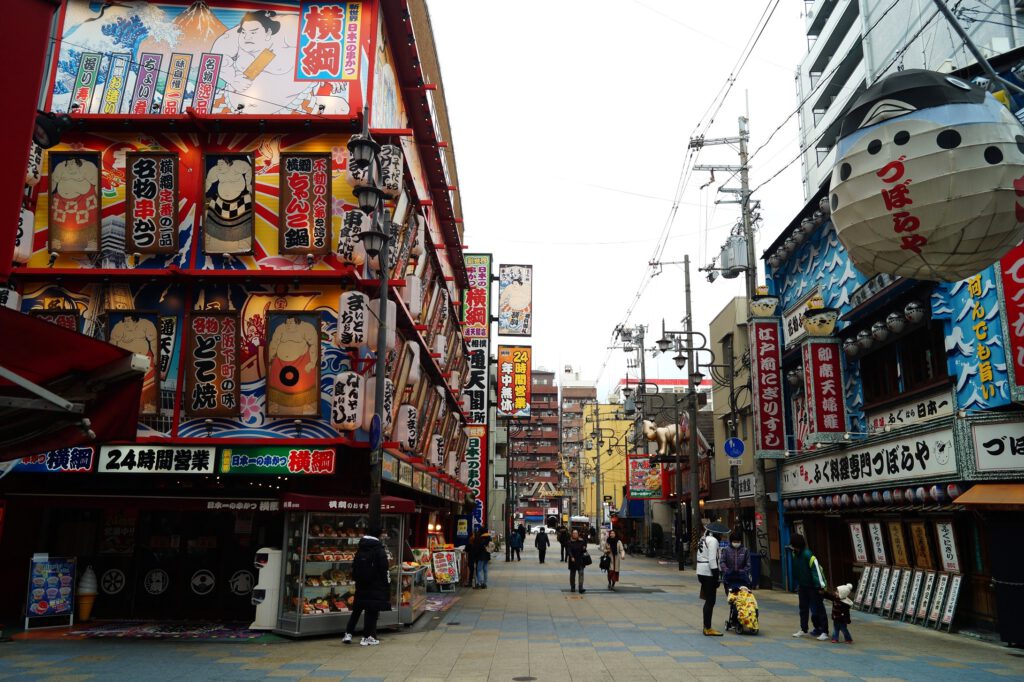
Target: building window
(916, 361)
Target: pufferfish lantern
(929, 178)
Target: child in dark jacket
(841, 604)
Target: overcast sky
(570, 121)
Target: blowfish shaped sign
(928, 178)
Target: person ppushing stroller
(735, 565)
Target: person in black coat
(577, 550)
(373, 588)
(541, 543)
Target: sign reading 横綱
(998, 446)
(161, 459)
(894, 461)
(823, 384)
(793, 319)
(329, 41)
(305, 212)
(151, 197)
(515, 300)
(514, 381)
(63, 460)
(924, 409)
(766, 368)
(212, 370)
(277, 460)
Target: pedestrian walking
(471, 559)
(579, 559)
(541, 543)
(841, 604)
(708, 573)
(522, 533)
(482, 548)
(734, 563)
(615, 550)
(370, 572)
(562, 536)
(515, 543)
(810, 581)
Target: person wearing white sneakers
(810, 581)
(370, 572)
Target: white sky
(564, 114)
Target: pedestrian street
(527, 626)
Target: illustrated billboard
(293, 364)
(643, 478)
(515, 300)
(137, 331)
(514, 381)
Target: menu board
(51, 587)
(446, 567)
(421, 555)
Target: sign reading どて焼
(770, 440)
(212, 370)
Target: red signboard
(823, 385)
(1012, 269)
(770, 426)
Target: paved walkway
(527, 626)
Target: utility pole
(760, 490)
(691, 368)
(597, 468)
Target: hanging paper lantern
(412, 294)
(879, 331)
(369, 404)
(406, 427)
(851, 348)
(897, 495)
(348, 401)
(926, 178)
(391, 170)
(844, 500)
(787, 504)
(799, 236)
(352, 320)
(440, 348)
(436, 451)
(914, 312)
(24, 236)
(9, 297)
(856, 499)
(954, 491)
(887, 497)
(414, 365)
(920, 495)
(391, 318)
(864, 339)
(420, 226)
(835, 502)
(824, 207)
(938, 494)
(804, 503)
(876, 497)
(350, 249)
(895, 322)
(35, 164)
(908, 495)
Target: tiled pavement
(525, 626)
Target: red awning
(342, 504)
(53, 379)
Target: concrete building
(533, 444)
(606, 433)
(575, 393)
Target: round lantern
(774, 261)
(804, 503)
(864, 339)
(821, 502)
(836, 501)
(35, 164)
(786, 504)
(876, 497)
(350, 247)
(914, 312)
(24, 236)
(818, 217)
(897, 495)
(414, 362)
(879, 331)
(372, 326)
(908, 496)
(850, 348)
(348, 401)
(794, 378)
(799, 236)
(954, 491)
(887, 497)
(353, 317)
(412, 294)
(844, 500)
(391, 167)
(920, 495)
(938, 494)
(856, 499)
(895, 322)
(789, 245)
(406, 430)
(923, 185)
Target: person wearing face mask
(735, 567)
(708, 572)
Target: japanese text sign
(63, 460)
(85, 82)
(277, 460)
(145, 83)
(514, 381)
(114, 87)
(329, 41)
(926, 408)
(515, 300)
(1012, 269)
(975, 345)
(860, 551)
(151, 198)
(206, 82)
(948, 555)
(894, 461)
(823, 384)
(177, 81)
(212, 383)
(769, 412)
(305, 212)
(998, 446)
(476, 471)
(160, 459)
(477, 303)
(643, 478)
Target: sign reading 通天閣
(906, 459)
(276, 460)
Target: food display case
(321, 539)
(414, 593)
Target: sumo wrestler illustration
(74, 203)
(293, 365)
(136, 331)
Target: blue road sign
(734, 447)
(375, 432)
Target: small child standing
(841, 604)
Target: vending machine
(266, 596)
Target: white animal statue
(667, 437)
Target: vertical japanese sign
(145, 83)
(1012, 273)
(151, 199)
(177, 79)
(476, 472)
(212, 371)
(515, 300)
(769, 423)
(823, 385)
(85, 82)
(514, 377)
(329, 41)
(975, 341)
(305, 213)
(477, 330)
(113, 89)
(206, 82)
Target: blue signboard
(51, 587)
(74, 460)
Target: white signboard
(925, 409)
(860, 550)
(999, 447)
(954, 594)
(889, 462)
(947, 547)
(915, 594)
(745, 484)
(883, 587)
(862, 587)
(926, 596)
(901, 596)
(890, 594)
(793, 319)
(877, 542)
(869, 598)
(159, 459)
(940, 595)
